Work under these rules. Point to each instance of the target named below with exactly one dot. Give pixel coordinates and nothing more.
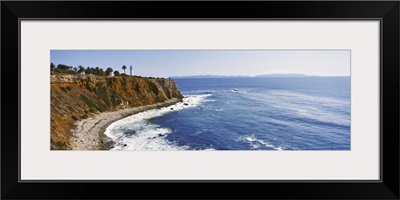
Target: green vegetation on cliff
(76, 97)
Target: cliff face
(78, 97)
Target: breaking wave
(136, 132)
(257, 143)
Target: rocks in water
(158, 135)
(109, 144)
(125, 145)
(171, 108)
(185, 104)
(235, 90)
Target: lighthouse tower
(131, 70)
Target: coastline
(89, 133)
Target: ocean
(270, 113)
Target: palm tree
(97, 71)
(124, 67)
(81, 69)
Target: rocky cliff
(76, 97)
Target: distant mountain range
(284, 75)
(258, 76)
(210, 76)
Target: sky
(166, 63)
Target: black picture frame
(386, 11)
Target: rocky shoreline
(89, 133)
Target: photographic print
(200, 100)
(110, 98)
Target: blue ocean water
(271, 113)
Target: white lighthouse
(131, 70)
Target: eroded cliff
(76, 97)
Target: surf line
(148, 136)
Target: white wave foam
(256, 143)
(148, 136)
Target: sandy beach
(89, 133)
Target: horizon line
(293, 74)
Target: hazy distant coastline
(257, 76)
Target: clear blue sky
(165, 63)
